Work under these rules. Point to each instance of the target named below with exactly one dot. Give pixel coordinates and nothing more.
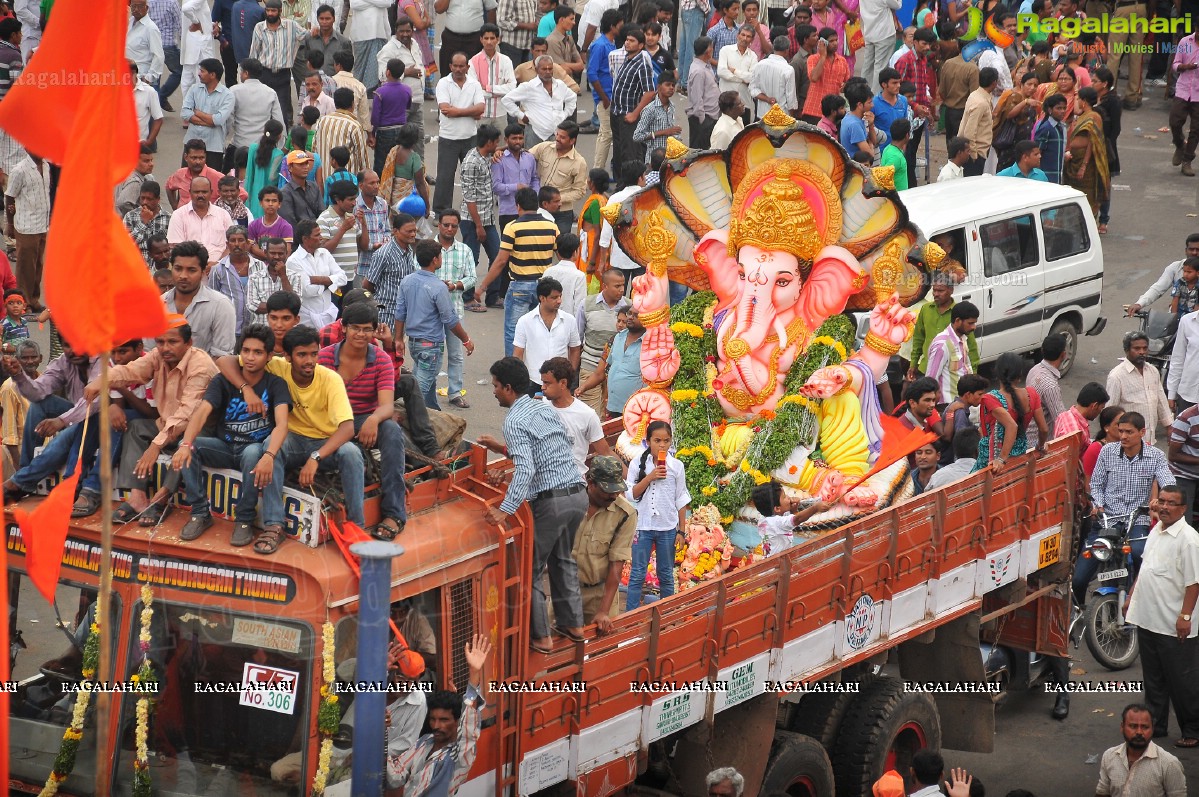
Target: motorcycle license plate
(1113, 574)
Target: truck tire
(798, 766)
(819, 716)
(884, 726)
(1070, 332)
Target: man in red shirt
(370, 384)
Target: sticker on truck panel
(859, 623)
(269, 688)
(1051, 550)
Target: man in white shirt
(546, 332)
(633, 177)
(461, 102)
(320, 276)
(730, 122)
(1161, 607)
(369, 30)
(773, 80)
(314, 95)
(403, 47)
(581, 422)
(254, 104)
(735, 66)
(965, 452)
(958, 150)
(541, 104)
(1182, 383)
(927, 769)
(566, 271)
(1158, 773)
(143, 42)
(149, 110)
(878, 30)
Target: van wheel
(1070, 332)
(798, 766)
(884, 727)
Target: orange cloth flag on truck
(44, 531)
(898, 442)
(73, 105)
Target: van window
(205, 737)
(40, 710)
(1008, 245)
(1065, 231)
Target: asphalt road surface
(1153, 210)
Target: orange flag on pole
(898, 442)
(44, 531)
(73, 105)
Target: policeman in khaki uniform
(604, 541)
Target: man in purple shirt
(389, 112)
(1186, 103)
(515, 169)
(52, 414)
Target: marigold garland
(328, 717)
(142, 785)
(699, 419)
(64, 762)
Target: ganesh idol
(786, 232)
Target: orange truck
(772, 669)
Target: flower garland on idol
(64, 762)
(328, 718)
(144, 677)
(723, 461)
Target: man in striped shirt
(275, 44)
(390, 264)
(544, 474)
(458, 272)
(526, 250)
(343, 228)
(370, 380)
(341, 129)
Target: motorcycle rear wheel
(1114, 646)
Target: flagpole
(104, 674)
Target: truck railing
(805, 614)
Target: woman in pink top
(1109, 418)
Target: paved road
(1153, 210)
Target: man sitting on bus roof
(56, 407)
(244, 441)
(181, 373)
(320, 430)
(369, 378)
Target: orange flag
(44, 531)
(898, 442)
(73, 105)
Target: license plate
(1113, 574)
(1051, 550)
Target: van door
(1073, 265)
(1012, 297)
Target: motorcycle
(1111, 640)
(1161, 327)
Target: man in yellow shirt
(320, 430)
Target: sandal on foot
(14, 494)
(243, 534)
(155, 514)
(388, 529)
(538, 649)
(86, 504)
(476, 307)
(125, 513)
(460, 402)
(1186, 742)
(269, 540)
(195, 526)
(571, 635)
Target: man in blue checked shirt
(545, 474)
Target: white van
(1032, 254)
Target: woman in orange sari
(591, 224)
(1066, 85)
(1013, 119)
(1087, 168)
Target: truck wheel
(1067, 330)
(1114, 646)
(819, 716)
(884, 727)
(798, 766)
